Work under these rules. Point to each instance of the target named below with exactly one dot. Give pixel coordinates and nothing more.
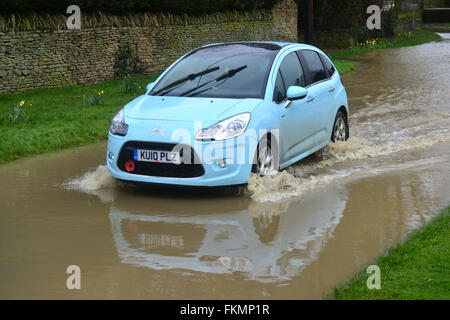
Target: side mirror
(150, 86)
(296, 93)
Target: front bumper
(236, 153)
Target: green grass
(404, 39)
(344, 66)
(59, 119)
(418, 268)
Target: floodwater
(294, 235)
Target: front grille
(156, 169)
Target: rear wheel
(340, 128)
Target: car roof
(279, 44)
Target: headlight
(118, 125)
(225, 129)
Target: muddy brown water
(294, 235)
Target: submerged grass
(62, 117)
(418, 268)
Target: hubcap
(266, 163)
(339, 130)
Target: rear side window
(315, 66)
(328, 66)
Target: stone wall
(53, 58)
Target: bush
(361, 34)
(126, 61)
(130, 6)
(436, 15)
(333, 40)
(388, 23)
(335, 15)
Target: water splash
(357, 148)
(100, 178)
(283, 185)
(306, 175)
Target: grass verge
(53, 119)
(418, 268)
(405, 39)
(344, 66)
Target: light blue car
(226, 110)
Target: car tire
(340, 131)
(266, 159)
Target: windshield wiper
(226, 75)
(190, 77)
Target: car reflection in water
(266, 242)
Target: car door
(321, 93)
(296, 122)
(327, 114)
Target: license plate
(156, 156)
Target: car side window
(279, 93)
(328, 66)
(316, 68)
(292, 71)
(290, 74)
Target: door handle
(310, 99)
(331, 89)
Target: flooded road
(294, 235)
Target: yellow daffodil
(102, 91)
(22, 102)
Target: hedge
(133, 6)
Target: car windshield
(220, 71)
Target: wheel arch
(344, 110)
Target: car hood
(187, 108)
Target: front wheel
(340, 128)
(266, 158)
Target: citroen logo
(159, 130)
